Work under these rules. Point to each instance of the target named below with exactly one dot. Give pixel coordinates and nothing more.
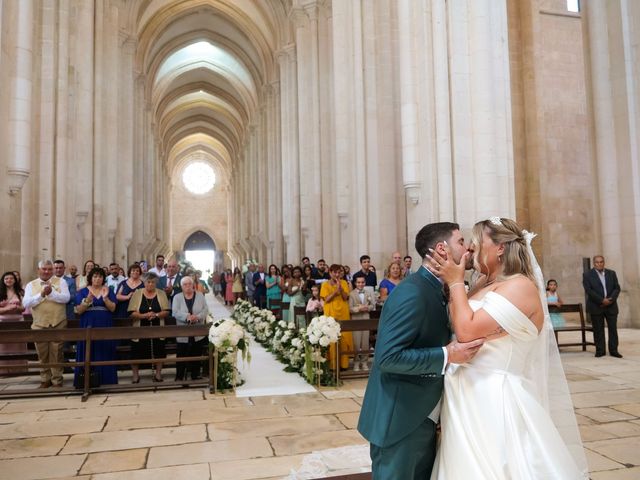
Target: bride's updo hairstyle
(515, 259)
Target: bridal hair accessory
(495, 220)
(528, 237)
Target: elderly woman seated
(189, 308)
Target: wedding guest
(217, 288)
(148, 306)
(335, 294)
(121, 272)
(81, 280)
(315, 304)
(347, 273)
(361, 302)
(260, 293)
(127, 289)
(321, 272)
(200, 285)
(248, 281)
(10, 298)
(228, 280)
(297, 291)
(170, 283)
(223, 285)
(272, 284)
(19, 278)
(47, 297)
(114, 279)
(189, 308)
(95, 304)
(393, 279)
(602, 289)
(406, 271)
(144, 266)
(396, 258)
(159, 269)
(238, 285)
(307, 274)
(285, 277)
(370, 279)
(11, 311)
(58, 271)
(554, 300)
(73, 271)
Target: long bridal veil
(545, 371)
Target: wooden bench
(582, 327)
(370, 325)
(88, 335)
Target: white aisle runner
(264, 375)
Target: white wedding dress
(495, 426)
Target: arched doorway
(200, 250)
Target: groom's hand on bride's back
(459, 352)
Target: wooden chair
(299, 312)
(276, 308)
(582, 327)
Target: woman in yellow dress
(335, 294)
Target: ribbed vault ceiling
(204, 64)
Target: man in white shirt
(47, 296)
(159, 269)
(114, 279)
(602, 289)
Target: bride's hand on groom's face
(445, 267)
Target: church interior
(271, 130)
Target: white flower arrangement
(226, 333)
(228, 336)
(323, 331)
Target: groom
(402, 403)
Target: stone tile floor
(189, 434)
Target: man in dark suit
(170, 283)
(260, 292)
(602, 289)
(401, 405)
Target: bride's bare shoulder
(523, 293)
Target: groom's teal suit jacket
(406, 382)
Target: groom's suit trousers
(411, 458)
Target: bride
(507, 414)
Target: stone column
(126, 159)
(311, 208)
(45, 200)
(481, 109)
(64, 227)
(290, 179)
(614, 82)
(19, 134)
(20, 109)
(84, 60)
